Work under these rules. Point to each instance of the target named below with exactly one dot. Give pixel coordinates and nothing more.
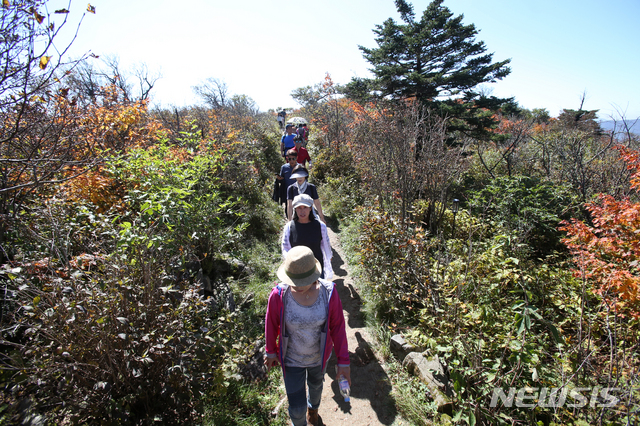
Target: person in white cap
(305, 229)
(304, 323)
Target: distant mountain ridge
(620, 126)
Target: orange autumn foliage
(114, 125)
(95, 187)
(506, 126)
(109, 127)
(608, 253)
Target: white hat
(302, 200)
(300, 267)
(299, 172)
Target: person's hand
(279, 177)
(346, 372)
(271, 362)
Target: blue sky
(559, 49)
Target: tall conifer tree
(438, 61)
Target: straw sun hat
(300, 267)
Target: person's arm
(271, 360)
(327, 253)
(344, 370)
(289, 209)
(282, 146)
(305, 157)
(286, 244)
(339, 335)
(272, 329)
(318, 207)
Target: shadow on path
(370, 384)
(351, 301)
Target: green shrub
(397, 267)
(496, 320)
(114, 344)
(530, 208)
(342, 187)
(120, 334)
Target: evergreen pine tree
(436, 60)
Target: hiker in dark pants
(302, 186)
(284, 177)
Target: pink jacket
(335, 335)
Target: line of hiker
(304, 320)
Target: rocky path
(371, 400)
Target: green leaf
(472, 419)
(554, 331)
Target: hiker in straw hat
(303, 324)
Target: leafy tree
(539, 115)
(310, 97)
(580, 119)
(214, 92)
(607, 252)
(327, 108)
(436, 60)
(36, 147)
(402, 155)
(243, 106)
(89, 79)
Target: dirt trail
(371, 400)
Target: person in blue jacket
(286, 143)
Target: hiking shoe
(312, 417)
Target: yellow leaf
(5, 3)
(44, 61)
(91, 9)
